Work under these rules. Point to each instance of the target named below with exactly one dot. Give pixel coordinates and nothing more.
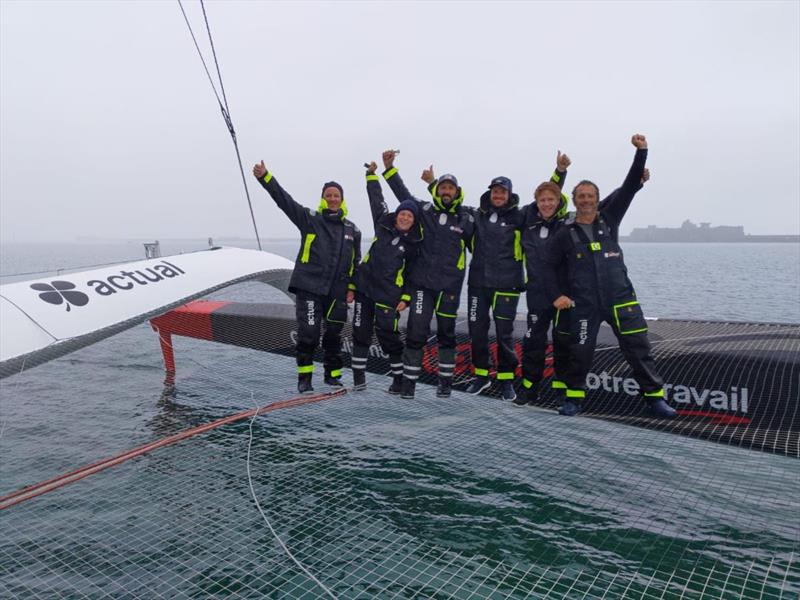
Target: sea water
(378, 498)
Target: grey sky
(110, 128)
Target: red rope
(49, 485)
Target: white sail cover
(44, 318)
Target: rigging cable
(223, 105)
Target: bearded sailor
(436, 276)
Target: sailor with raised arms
(598, 288)
(380, 281)
(324, 275)
(435, 278)
(543, 219)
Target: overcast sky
(110, 127)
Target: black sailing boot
(444, 387)
(407, 388)
(304, 383)
(358, 362)
(412, 367)
(447, 364)
(333, 378)
(396, 364)
(359, 379)
(397, 385)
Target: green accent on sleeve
(267, 178)
(352, 261)
(405, 298)
(372, 177)
(555, 177)
(351, 286)
(307, 247)
(391, 172)
(518, 254)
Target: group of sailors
(569, 265)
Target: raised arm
(376, 202)
(393, 178)
(297, 213)
(618, 202)
(559, 176)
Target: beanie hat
(410, 206)
(325, 186)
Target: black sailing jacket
(381, 275)
(330, 251)
(596, 271)
(495, 245)
(536, 236)
(442, 260)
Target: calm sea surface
(378, 498)
(737, 282)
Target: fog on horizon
(109, 128)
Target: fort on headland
(704, 232)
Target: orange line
(49, 485)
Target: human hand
(372, 167)
(639, 141)
(351, 295)
(645, 176)
(401, 306)
(427, 175)
(388, 158)
(259, 170)
(563, 303)
(562, 162)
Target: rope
(223, 105)
(266, 520)
(49, 485)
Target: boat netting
(365, 495)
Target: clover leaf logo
(59, 292)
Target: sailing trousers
(503, 304)
(312, 310)
(369, 315)
(630, 329)
(534, 347)
(422, 306)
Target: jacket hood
(486, 204)
(437, 200)
(323, 206)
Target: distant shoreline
(753, 239)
